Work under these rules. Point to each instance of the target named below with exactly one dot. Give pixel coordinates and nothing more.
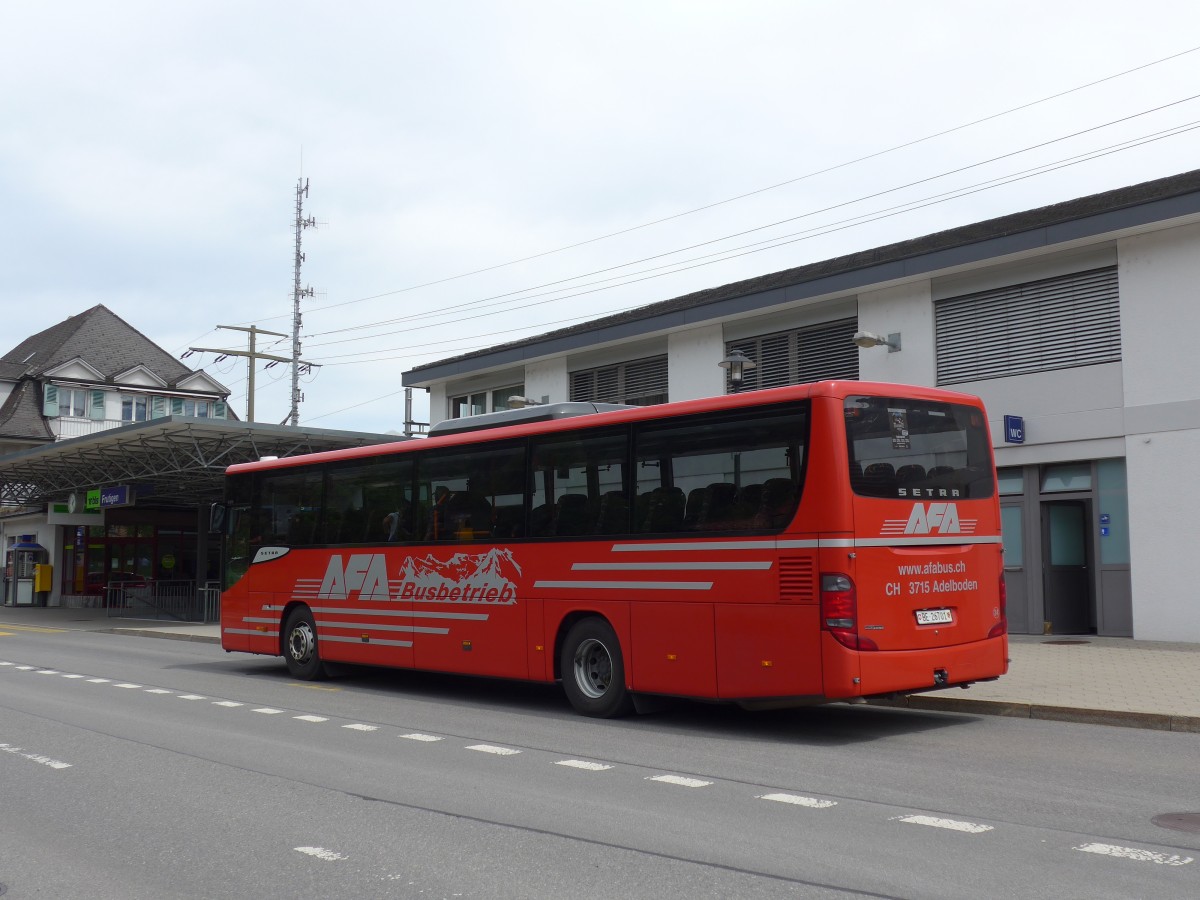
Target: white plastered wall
(693, 358)
(906, 309)
(1160, 317)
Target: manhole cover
(1179, 821)
(1066, 643)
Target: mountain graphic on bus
(463, 578)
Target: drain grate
(1179, 821)
(1066, 643)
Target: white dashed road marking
(583, 764)
(428, 738)
(157, 691)
(362, 727)
(679, 780)
(229, 703)
(949, 824)
(35, 757)
(128, 685)
(810, 802)
(268, 711)
(1134, 853)
(99, 680)
(498, 751)
(311, 718)
(191, 697)
(322, 853)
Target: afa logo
(364, 573)
(930, 518)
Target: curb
(1119, 718)
(155, 633)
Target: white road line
(266, 710)
(49, 672)
(126, 684)
(679, 780)
(158, 691)
(229, 703)
(583, 764)
(362, 727)
(26, 668)
(191, 697)
(311, 718)
(498, 751)
(428, 738)
(99, 680)
(949, 824)
(5, 663)
(73, 676)
(810, 802)
(35, 757)
(322, 853)
(1134, 853)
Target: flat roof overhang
(176, 461)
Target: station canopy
(172, 461)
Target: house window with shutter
(1054, 323)
(640, 382)
(801, 355)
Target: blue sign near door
(1014, 429)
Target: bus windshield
(903, 448)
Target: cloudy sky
(482, 171)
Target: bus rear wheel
(300, 646)
(593, 670)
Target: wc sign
(1014, 429)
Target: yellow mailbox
(43, 578)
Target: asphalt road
(139, 768)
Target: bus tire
(300, 646)
(593, 670)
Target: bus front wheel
(593, 670)
(300, 646)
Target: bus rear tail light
(839, 611)
(1001, 626)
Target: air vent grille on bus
(796, 581)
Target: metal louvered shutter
(640, 381)
(799, 356)
(1054, 323)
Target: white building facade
(1076, 320)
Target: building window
(500, 396)
(799, 356)
(1054, 323)
(468, 405)
(640, 382)
(197, 408)
(133, 407)
(72, 402)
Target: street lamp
(867, 339)
(737, 364)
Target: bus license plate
(934, 617)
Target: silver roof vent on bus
(541, 413)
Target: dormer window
(198, 408)
(72, 402)
(134, 407)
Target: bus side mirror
(216, 518)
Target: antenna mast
(297, 293)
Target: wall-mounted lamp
(868, 339)
(737, 364)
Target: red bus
(829, 541)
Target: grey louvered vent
(639, 381)
(1055, 323)
(801, 355)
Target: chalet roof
(21, 414)
(100, 337)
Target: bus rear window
(903, 448)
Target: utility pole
(252, 356)
(297, 293)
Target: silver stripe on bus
(333, 638)
(252, 631)
(359, 626)
(671, 566)
(402, 613)
(629, 585)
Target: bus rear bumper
(851, 673)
